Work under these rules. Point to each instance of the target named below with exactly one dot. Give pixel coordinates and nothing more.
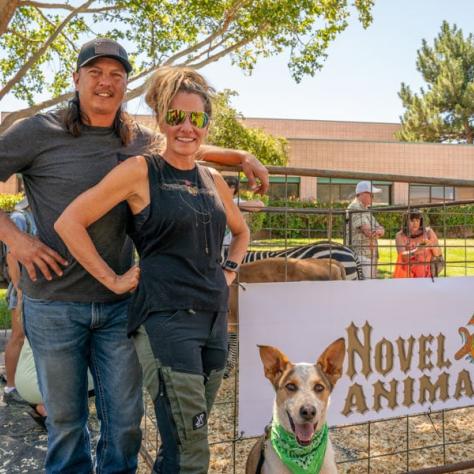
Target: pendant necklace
(202, 213)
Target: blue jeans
(66, 339)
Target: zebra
(323, 249)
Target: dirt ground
(23, 443)
(387, 449)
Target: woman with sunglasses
(178, 315)
(416, 247)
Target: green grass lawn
(458, 253)
(5, 320)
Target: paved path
(22, 442)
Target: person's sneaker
(13, 397)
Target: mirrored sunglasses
(176, 117)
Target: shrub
(8, 201)
(5, 316)
(455, 221)
(255, 220)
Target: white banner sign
(410, 344)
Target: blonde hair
(167, 81)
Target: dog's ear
(274, 362)
(332, 360)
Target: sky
(362, 74)
(361, 77)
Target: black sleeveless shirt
(178, 238)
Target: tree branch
(207, 51)
(219, 55)
(7, 10)
(28, 112)
(65, 6)
(229, 17)
(47, 20)
(35, 57)
(20, 36)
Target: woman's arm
(404, 249)
(251, 167)
(126, 182)
(235, 222)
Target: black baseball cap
(103, 48)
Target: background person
(27, 384)
(252, 205)
(416, 245)
(364, 229)
(178, 314)
(72, 321)
(23, 219)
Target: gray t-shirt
(56, 168)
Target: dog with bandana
(297, 442)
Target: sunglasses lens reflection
(199, 119)
(176, 117)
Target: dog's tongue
(304, 432)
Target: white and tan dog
(298, 441)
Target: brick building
(371, 147)
(357, 146)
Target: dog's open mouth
(303, 432)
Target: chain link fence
(441, 441)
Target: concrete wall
(411, 159)
(329, 129)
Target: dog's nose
(308, 412)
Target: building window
(340, 190)
(282, 190)
(281, 187)
(424, 193)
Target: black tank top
(178, 238)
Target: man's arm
(29, 251)
(17, 153)
(251, 167)
(372, 232)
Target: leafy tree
(37, 38)
(444, 112)
(227, 130)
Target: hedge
(457, 220)
(8, 201)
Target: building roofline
(388, 142)
(322, 120)
(305, 120)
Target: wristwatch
(231, 266)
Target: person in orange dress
(416, 246)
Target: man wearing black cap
(72, 322)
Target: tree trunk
(7, 10)
(468, 131)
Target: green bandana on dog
(299, 459)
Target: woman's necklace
(196, 202)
